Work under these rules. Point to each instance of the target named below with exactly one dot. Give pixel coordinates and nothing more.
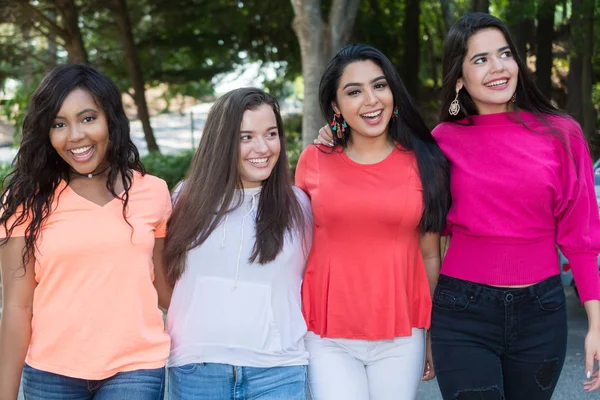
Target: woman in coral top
(379, 200)
(81, 226)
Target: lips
(82, 154)
(258, 162)
(497, 83)
(373, 114)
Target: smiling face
(79, 132)
(364, 99)
(259, 145)
(489, 71)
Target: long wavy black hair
(30, 189)
(528, 96)
(409, 130)
(209, 191)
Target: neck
(101, 171)
(366, 149)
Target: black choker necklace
(91, 174)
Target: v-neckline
(90, 202)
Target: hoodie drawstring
(237, 267)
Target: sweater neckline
(503, 118)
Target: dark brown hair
(208, 192)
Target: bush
(5, 169)
(171, 167)
(292, 125)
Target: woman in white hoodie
(236, 249)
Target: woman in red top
(379, 199)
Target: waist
(475, 291)
(501, 261)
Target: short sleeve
(577, 214)
(306, 165)
(19, 230)
(166, 207)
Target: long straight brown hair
(209, 188)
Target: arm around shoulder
(15, 326)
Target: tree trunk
(481, 5)
(73, 39)
(544, 34)
(135, 71)
(521, 26)
(318, 41)
(412, 48)
(446, 15)
(579, 103)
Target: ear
(335, 107)
(459, 84)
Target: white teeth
(497, 83)
(258, 160)
(81, 150)
(372, 115)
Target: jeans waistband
(475, 290)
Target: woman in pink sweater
(521, 183)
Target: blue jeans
(492, 343)
(209, 381)
(145, 384)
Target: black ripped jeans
(493, 343)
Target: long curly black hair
(30, 189)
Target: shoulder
(441, 129)
(302, 197)
(149, 182)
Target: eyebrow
(485, 54)
(268, 129)
(78, 114)
(360, 84)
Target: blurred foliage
(292, 125)
(170, 167)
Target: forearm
(432, 268)
(164, 291)
(592, 308)
(15, 335)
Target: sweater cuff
(585, 274)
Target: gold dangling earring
(454, 106)
(514, 97)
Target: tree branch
(35, 14)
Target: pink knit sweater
(516, 194)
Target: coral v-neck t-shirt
(95, 309)
(365, 277)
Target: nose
(497, 65)
(260, 145)
(370, 97)
(76, 133)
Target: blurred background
(171, 58)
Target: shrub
(170, 167)
(292, 125)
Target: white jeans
(352, 369)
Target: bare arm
(430, 249)
(15, 326)
(163, 288)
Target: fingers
(589, 364)
(325, 137)
(428, 372)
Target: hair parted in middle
(208, 191)
(408, 129)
